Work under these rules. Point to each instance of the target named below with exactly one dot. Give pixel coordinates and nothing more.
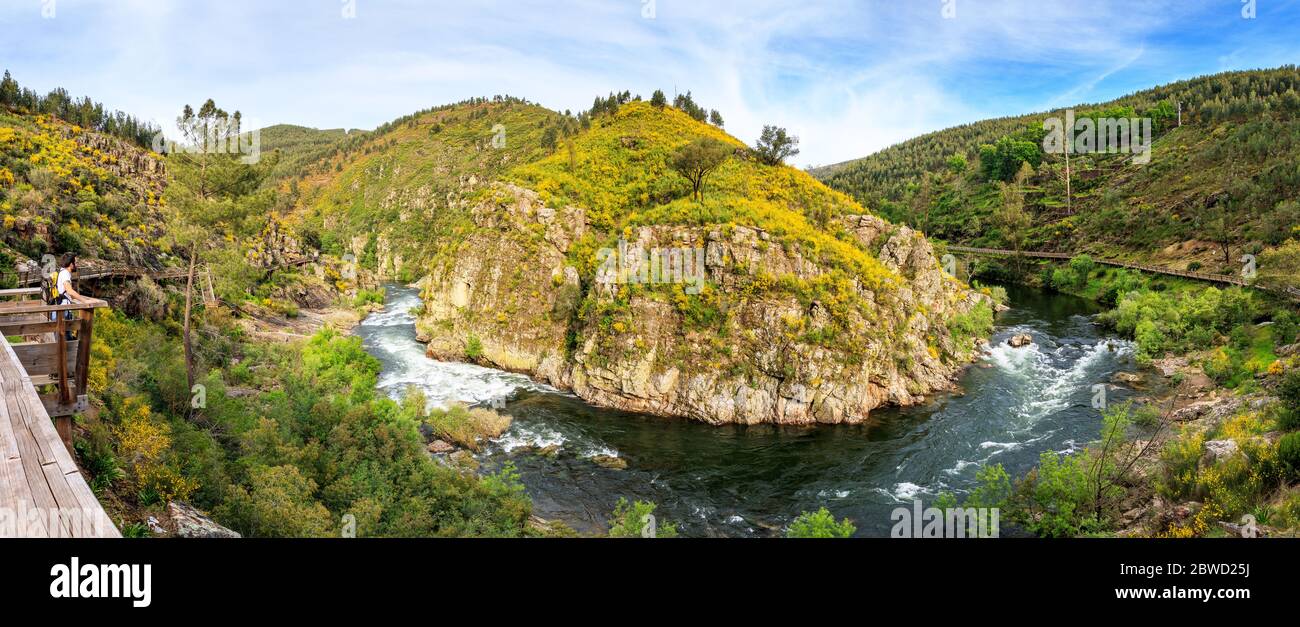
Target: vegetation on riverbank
(1207, 456)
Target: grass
(466, 427)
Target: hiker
(62, 292)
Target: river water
(752, 481)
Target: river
(740, 481)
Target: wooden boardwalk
(1222, 279)
(94, 270)
(42, 492)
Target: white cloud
(848, 77)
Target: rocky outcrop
(191, 523)
(774, 335)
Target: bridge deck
(42, 492)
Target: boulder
(1127, 378)
(438, 447)
(609, 461)
(1021, 341)
(1218, 450)
(191, 523)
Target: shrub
(637, 520)
(1288, 454)
(819, 524)
(467, 427)
(1289, 392)
(474, 348)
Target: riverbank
(577, 460)
(1200, 452)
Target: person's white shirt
(64, 282)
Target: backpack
(50, 288)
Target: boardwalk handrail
(37, 471)
(1287, 291)
(93, 270)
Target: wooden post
(84, 337)
(63, 424)
(61, 359)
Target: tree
(1011, 218)
(9, 93)
(715, 118)
(1001, 161)
(775, 146)
(209, 181)
(659, 100)
(697, 160)
(687, 104)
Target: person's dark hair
(67, 260)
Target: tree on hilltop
(775, 146)
(697, 160)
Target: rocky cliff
(575, 251)
(756, 348)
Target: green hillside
(1221, 185)
(299, 146)
(64, 188)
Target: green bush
(1288, 454)
(819, 524)
(633, 520)
(1289, 392)
(474, 347)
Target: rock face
(774, 336)
(190, 523)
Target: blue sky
(848, 77)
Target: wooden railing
(1283, 291)
(93, 270)
(52, 344)
(42, 490)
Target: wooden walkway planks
(41, 488)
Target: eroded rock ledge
(785, 339)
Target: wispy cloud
(848, 77)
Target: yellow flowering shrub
(142, 444)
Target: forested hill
(1222, 184)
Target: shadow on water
(752, 481)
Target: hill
(299, 146)
(1221, 184)
(64, 188)
(809, 309)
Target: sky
(848, 77)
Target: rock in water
(1021, 341)
(191, 523)
(611, 462)
(1127, 378)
